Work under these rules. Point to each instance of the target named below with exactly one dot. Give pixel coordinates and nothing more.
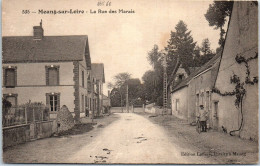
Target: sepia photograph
(130, 82)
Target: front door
(215, 116)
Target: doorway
(215, 116)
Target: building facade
(47, 69)
(194, 91)
(98, 75)
(239, 60)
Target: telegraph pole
(127, 103)
(164, 85)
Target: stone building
(48, 69)
(227, 85)
(239, 60)
(98, 75)
(195, 90)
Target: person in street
(87, 112)
(203, 115)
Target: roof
(50, 49)
(97, 70)
(203, 68)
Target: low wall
(116, 109)
(15, 135)
(44, 129)
(156, 110)
(18, 134)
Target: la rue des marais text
(79, 11)
(187, 154)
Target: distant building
(106, 103)
(48, 69)
(194, 91)
(98, 74)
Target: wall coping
(9, 127)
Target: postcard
(130, 82)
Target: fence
(22, 124)
(24, 115)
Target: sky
(121, 40)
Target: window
(86, 101)
(202, 98)
(207, 100)
(215, 109)
(89, 84)
(10, 76)
(90, 104)
(53, 101)
(82, 78)
(181, 76)
(52, 75)
(12, 98)
(197, 102)
(93, 104)
(82, 104)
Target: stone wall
(15, 135)
(65, 120)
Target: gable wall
(241, 39)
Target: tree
(134, 90)
(196, 57)
(115, 98)
(180, 50)
(203, 53)
(217, 14)
(152, 87)
(120, 79)
(205, 47)
(207, 53)
(155, 57)
(153, 79)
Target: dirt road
(132, 139)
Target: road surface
(132, 139)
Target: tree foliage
(205, 47)
(117, 87)
(153, 87)
(203, 53)
(180, 50)
(217, 15)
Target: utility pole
(164, 85)
(127, 102)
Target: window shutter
(48, 100)
(47, 75)
(53, 76)
(58, 101)
(10, 77)
(58, 75)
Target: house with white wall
(48, 69)
(195, 90)
(237, 76)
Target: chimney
(38, 32)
